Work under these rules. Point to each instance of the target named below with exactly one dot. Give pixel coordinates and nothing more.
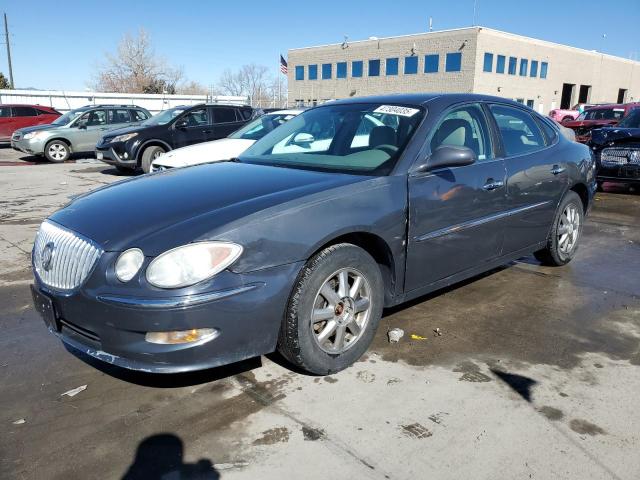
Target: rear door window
(519, 131)
(224, 115)
(120, 115)
(24, 112)
(5, 112)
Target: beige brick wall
(429, 43)
(606, 74)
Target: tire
(299, 340)
(568, 221)
(149, 155)
(57, 151)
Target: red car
(597, 117)
(13, 117)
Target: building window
(524, 66)
(520, 100)
(326, 71)
(313, 72)
(530, 102)
(500, 64)
(374, 68)
(341, 70)
(454, 62)
(431, 63)
(534, 68)
(356, 68)
(513, 61)
(543, 69)
(392, 66)
(410, 65)
(488, 62)
(299, 72)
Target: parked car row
(127, 136)
(300, 242)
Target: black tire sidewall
(560, 258)
(53, 160)
(147, 157)
(345, 256)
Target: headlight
(30, 135)
(191, 263)
(124, 138)
(128, 264)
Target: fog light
(126, 155)
(182, 336)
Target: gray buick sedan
(300, 243)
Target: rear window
(245, 113)
(45, 112)
(549, 130)
(519, 131)
(24, 112)
(224, 115)
(602, 114)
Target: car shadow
(161, 456)
(168, 380)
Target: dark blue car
(300, 243)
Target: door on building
(567, 95)
(622, 95)
(585, 94)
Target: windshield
(602, 114)
(164, 117)
(362, 138)
(632, 120)
(67, 117)
(261, 126)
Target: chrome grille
(61, 258)
(620, 156)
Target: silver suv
(76, 131)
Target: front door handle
(492, 185)
(557, 169)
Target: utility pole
(6, 36)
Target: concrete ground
(536, 374)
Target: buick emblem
(46, 256)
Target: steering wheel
(390, 150)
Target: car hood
(217, 150)
(37, 128)
(609, 135)
(159, 211)
(589, 123)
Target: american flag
(283, 65)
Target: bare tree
(136, 68)
(253, 81)
(192, 88)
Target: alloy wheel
(57, 151)
(341, 311)
(568, 229)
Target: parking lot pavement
(535, 375)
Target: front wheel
(57, 151)
(149, 155)
(334, 310)
(566, 230)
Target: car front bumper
(32, 146)
(116, 154)
(622, 174)
(245, 309)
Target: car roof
(424, 98)
(26, 105)
(604, 106)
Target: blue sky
(57, 45)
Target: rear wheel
(333, 311)
(57, 151)
(149, 155)
(565, 233)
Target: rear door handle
(492, 185)
(557, 169)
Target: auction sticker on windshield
(397, 110)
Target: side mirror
(449, 156)
(181, 124)
(303, 139)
